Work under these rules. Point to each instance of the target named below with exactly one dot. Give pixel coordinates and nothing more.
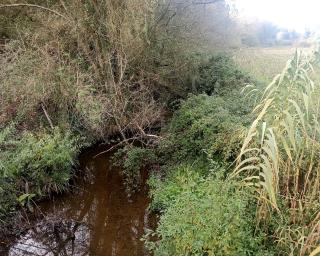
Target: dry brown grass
(96, 66)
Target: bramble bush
(206, 125)
(202, 215)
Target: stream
(95, 218)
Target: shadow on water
(96, 218)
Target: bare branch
(47, 116)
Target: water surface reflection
(97, 218)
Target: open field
(264, 63)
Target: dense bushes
(207, 125)
(219, 74)
(132, 159)
(44, 161)
(90, 75)
(34, 164)
(203, 215)
(212, 120)
(201, 212)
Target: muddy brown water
(96, 218)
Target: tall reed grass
(280, 157)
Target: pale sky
(292, 14)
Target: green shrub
(203, 216)
(219, 74)
(207, 125)
(178, 179)
(210, 123)
(33, 165)
(42, 162)
(132, 159)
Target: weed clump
(219, 75)
(34, 165)
(207, 125)
(132, 160)
(203, 215)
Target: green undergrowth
(206, 125)
(218, 75)
(211, 120)
(202, 215)
(132, 159)
(33, 165)
(201, 212)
